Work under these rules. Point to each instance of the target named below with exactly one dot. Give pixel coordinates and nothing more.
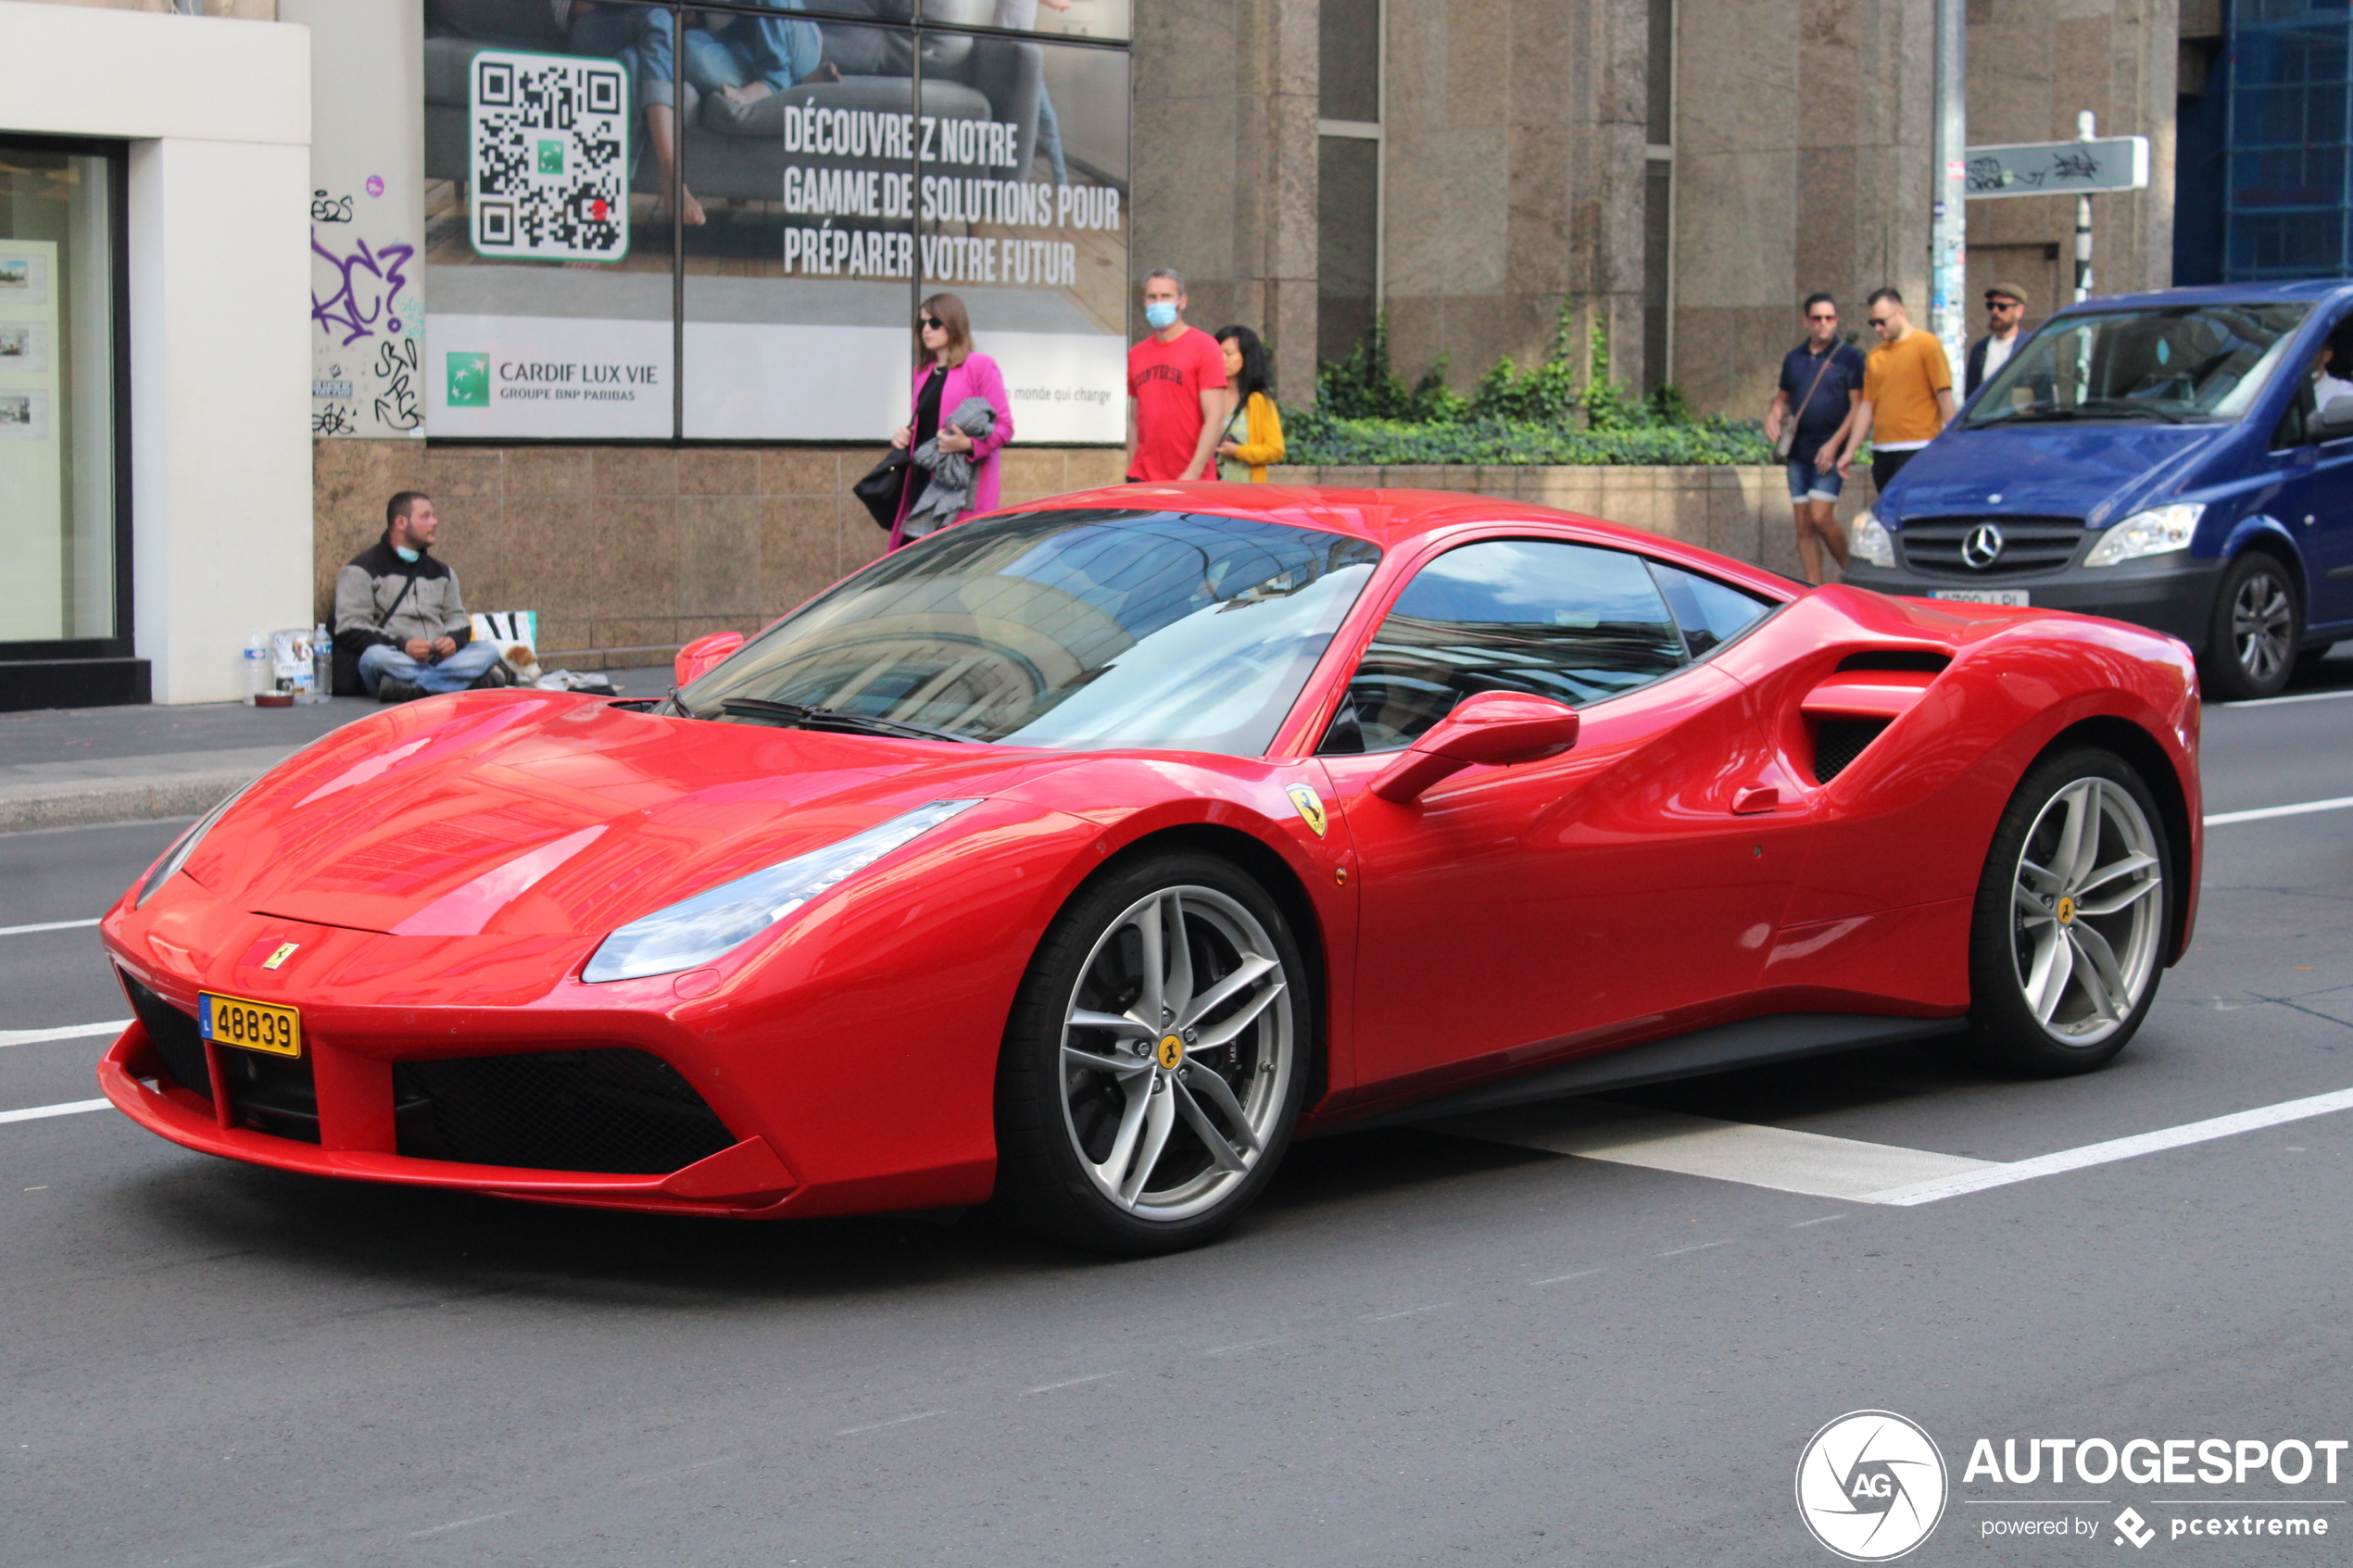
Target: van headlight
(1871, 543)
(698, 929)
(2153, 533)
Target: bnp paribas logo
(468, 381)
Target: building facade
(644, 429)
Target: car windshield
(1091, 630)
(2176, 364)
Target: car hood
(2050, 470)
(545, 813)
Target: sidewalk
(70, 766)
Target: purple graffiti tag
(360, 307)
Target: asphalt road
(1423, 1347)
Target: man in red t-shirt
(1175, 389)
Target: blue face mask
(1161, 314)
(404, 554)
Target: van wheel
(2250, 647)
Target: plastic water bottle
(258, 677)
(322, 663)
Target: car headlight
(2152, 533)
(177, 856)
(698, 929)
(1871, 544)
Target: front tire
(2072, 917)
(1155, 1059)
(2250, 647)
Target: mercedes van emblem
(1982, 546)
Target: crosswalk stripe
(38, 1112)
(66, 1032)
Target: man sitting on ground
(401, 631)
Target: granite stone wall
(636, 547)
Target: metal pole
(2083, 222)
(1948, 226)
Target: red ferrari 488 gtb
(1080, 857)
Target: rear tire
(2259, 622)
(1155, 1059)
(2073, 916)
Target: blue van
(2164, 458)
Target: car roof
(2306, 290)
(1386, 517)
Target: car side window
(1711, 613)
(1568, 622)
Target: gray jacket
(381, 599)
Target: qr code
(550, 157)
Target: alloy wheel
(2087, 918)
(2263, 622)
(1176, 1052)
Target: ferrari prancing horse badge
(1310, 806)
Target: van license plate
(1984, 595)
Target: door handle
(1754, 799)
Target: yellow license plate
(252, 1026)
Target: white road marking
(2117, 1148)
(1410, 1312)
(2224, 819)
(35, 1113)
(682, 1470)
(894, 1421)
(1564, 1279)
(462, 1523)
(67, 1031)
(2278, 701)
(1822, 1220)
(48, 926)
(1068, 1382)
(1703, 1246)
(1245, 1345)
(1701, 1145)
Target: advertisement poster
(809, 201)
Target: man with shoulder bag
(401, 630)
(1821, 383)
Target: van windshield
(2179, 364)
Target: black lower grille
(271, 1094)
(173, 1034)
(1839, 741)
(612, 1108)
(1955, 547)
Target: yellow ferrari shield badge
(1310, 806)
(1171, 1054)
(285, 950)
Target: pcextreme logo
(1871, 1485)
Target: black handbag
(882, 488)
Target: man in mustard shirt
(1908, 392)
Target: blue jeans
(753, 49)
(452, 674)
(1808, 482)
(640, 38)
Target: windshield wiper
(2092, 411)
(793, 716)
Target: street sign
(2059, 169)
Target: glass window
(58, 512)
(1711, 613)
(1348, 228)
(1088, 630)
(1568, 621)
(551, 139)
(2176, 365)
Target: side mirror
(704, 654)
(2335, 420)
(1498, 728)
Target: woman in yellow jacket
(1253, 430)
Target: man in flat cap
(2005, 308)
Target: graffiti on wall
(365, 303)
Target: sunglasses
(1880, 321)
(1821, 319)
(931, 321)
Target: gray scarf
(950, 490)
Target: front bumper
(2170, 594)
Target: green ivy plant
(1366, 415)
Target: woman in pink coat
(947, 372)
